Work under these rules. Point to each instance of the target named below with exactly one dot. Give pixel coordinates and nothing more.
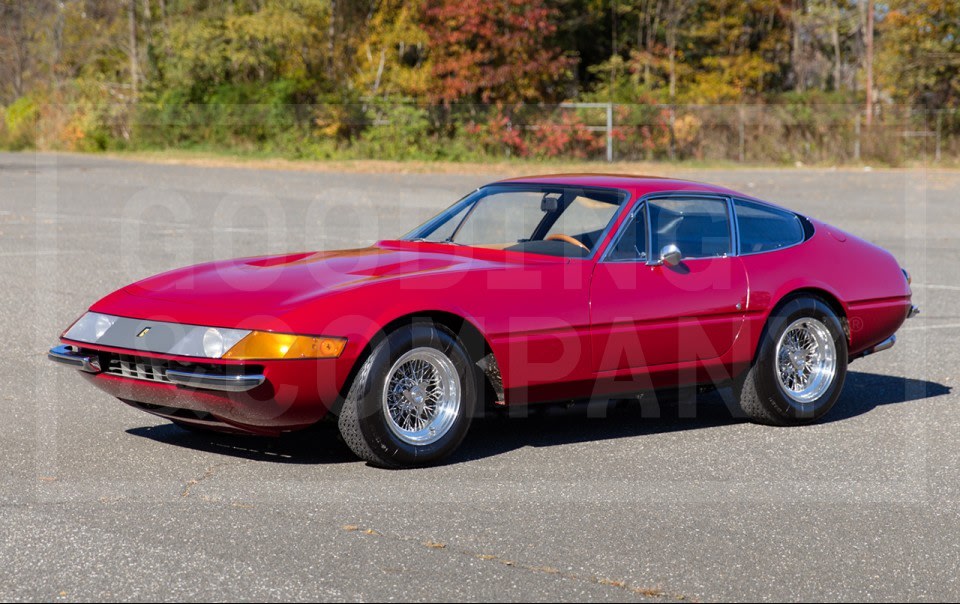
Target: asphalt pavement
(662, 502)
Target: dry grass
(371, 166)
(499, 169)
(503, 169)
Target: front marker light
(262, 345)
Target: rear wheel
(800, 365)
(412, 400)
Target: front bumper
(262, 397)
(226, 382)
(68, 355)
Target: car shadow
(550, 425)
(320, 444)
(547, 427)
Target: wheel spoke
(421, 398)
(806, 360)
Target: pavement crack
(209, 473)
(644, 591)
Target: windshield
(540, 219)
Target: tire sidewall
(768, 386)
(373, 421)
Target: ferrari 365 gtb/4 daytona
(551, 288)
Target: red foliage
(563, 134)
(568, 137)
(499, 134)
(494, 51)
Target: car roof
(641, 184)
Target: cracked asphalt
(657, 502)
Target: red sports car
(553, 288)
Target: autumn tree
(316, 76)
(392, 60)
(919, 52)
(495, 52)
(24, 45)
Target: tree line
(447, 78)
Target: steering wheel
(565, 239)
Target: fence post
(742, 136)
(672, 116)
(609, 132)
(939, 130)
(856, 140)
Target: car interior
(569, 210)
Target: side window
(632, 243)
(699, 226)
(585, 218)
(763, 228)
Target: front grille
(139, 368)
(154, 370)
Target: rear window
(763, 228)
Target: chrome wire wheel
(806, 360)
(421, 396)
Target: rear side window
(763, 228)
(699, 226)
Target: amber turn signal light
(262, 345)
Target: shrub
(399, 131)
(567, 136)
(21, 119)
(498, 136)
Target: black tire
(762, 397)
(365, 424)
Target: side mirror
(670, 255)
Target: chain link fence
(779, 134)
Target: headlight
(90, 327)
(165, 337)
(146, 335)
(213, 343)
(103, 323)
(261, 345)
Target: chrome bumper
(914, 311)
(227, 383)
(68, 355)
(884, 345)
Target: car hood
(271, 284)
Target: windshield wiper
(427, 240)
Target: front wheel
(412, 400)
(800, 365)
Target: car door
(646, 313)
